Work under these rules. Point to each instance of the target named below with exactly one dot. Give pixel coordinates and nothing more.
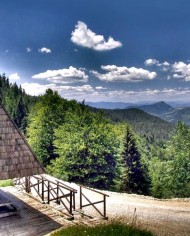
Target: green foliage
(16, 101)
(87, 147)
(5, 183)
(134, 177)
(171, 174)
(114, 228)
(178, 155)
(44, 118)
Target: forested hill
(168, 113)
(143, 123)
(16, 101)
(157, 109)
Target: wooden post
(27, 184)
(74, 204)
(58, 201)
(42, 189)
(104, 206)
(38, 186)
(71, 202)
(48, 192)
(81, 197)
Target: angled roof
(16, 157)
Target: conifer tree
(133, 174)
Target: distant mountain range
(167, 112)
(123, 105)
(113, 105)
(172, 112)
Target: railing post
(27, 184)
(104, 206)
(42, 189)
(80, 197)
(38, 186)
(48, 193)
(58, 202)
(74, 204)
(71, 203)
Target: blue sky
(125, 50)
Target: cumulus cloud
(36, 89)
(123, 73)
(151, 62)
(100, 88)
(14, 76)
(182, 69)
(28, 49)
(165, 65)
(85, 37)
(176, 76)
(44, 50)
(70, 75)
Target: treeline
(149, 126)
(77, 144)
(16, 101)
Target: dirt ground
(163, 217)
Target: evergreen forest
(118, 150)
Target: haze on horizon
(124, 51)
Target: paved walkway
(32, 219)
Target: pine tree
(133, 174)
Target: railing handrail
(64, 185)
(60, 183)
(94, 190)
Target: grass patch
(110, 229)
(5, 183)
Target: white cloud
(36, 89)
(14, 76)
(150, 62)
(70, 75)
(84, 37)
(44, 50)
(182, 69)
(165, 63)
(100, 88)
(176, 76)
(28, 49)
(123, 73)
